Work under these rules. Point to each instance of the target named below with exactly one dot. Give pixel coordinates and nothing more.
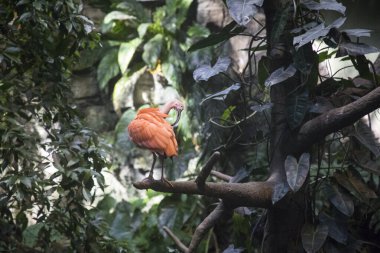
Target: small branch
(218, 213)
(251, 194)
(205, 171)
(336, 119)
(176, 240)
(221, 175)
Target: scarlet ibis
(149, 130)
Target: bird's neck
(166, 108)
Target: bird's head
(176, 105)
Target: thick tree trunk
(285, 218)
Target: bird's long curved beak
(175, 124)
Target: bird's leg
(154, 162)
(163, 179)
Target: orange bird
(149, 130)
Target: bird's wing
(153, 133)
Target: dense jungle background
(73, 74)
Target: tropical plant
(50, 163)
(321, 155)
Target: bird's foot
(164, 180)
(148, 179)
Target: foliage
(338, 184)
(50, 163)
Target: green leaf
(325, 5)
(338, 226)
(242, 11)
(313, 239)
(108, 68)
(226, 33)
(280, 75)
(172, 73)
(364, 134)
(340, 200)
(27, 181)
(352, 182)
(30, 234)
(142, 29)
(86, 194)
(221, 95)
(316, 32)
(297, 104)
(122, 96)
(280, 190)
(126, 52)
(204, 72)
(152, 50)
(296, 173)
(117, 15)
(356, 49)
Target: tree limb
(205, 171)
(221, 175)
(218, 213)
(336, 119)
(251, 194)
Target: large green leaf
(325, 5)
(280, 75)
(117, 15)
(152, 50)
(31, 234)
(352, 182)
(280, 190)
(221, 95)
(365, 135)
(108, 68)
(122, 96)
(296, 173)
(338, 226)
(316, 32)
(204, 72)
(356, 49)
(226, 33)
(313, 238)
(126, 52)
(242, 11)
(340, 200)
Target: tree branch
(336, 119)
(221, 175)
(205, 171)
(182, 247)
(252, 194)
(218, 213)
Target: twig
(221, 175)
(205, 171)
(176, 240)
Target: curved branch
(205, 171)
(218, 213)
(336, 119)
(251, 194)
